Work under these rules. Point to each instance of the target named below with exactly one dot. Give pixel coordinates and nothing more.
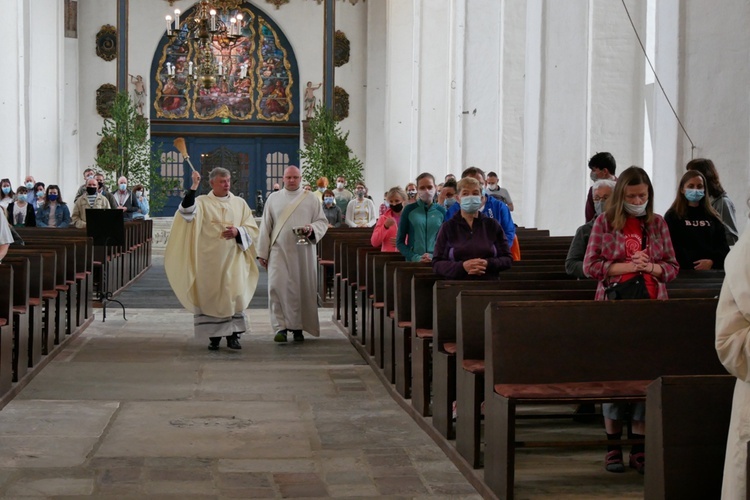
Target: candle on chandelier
(169, 69)
(177, 19)
(221, 68)
(169, 25)
(239, 23)
(190, 67)
(243, 70)
(213, 19)
(232, 26)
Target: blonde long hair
(615, 211)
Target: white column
(457, 70)
(512, 94)
(44, 89)
(375, 146)
(482, 106)
(402, 73)
(12, 88)
(433, 95)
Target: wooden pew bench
(443, 306)
(21, 312)
(339, 271)
(326, 258)
(377, 310)
(535, 352)
(470, 363)
(6, 329)
(686, 435)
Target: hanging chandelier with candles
(206, 26)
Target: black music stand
(107, 228)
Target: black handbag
(634, 288)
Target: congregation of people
(35, 204)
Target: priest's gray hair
(218, 172)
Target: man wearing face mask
(470, 245)
(602, 190)
(343, 196)
(124, 199)
(447, 195)
(92, 199)
(499, 193)
(322, 187)
(361, 211)
(87, 174)
(103, 190)
(492, 208)
(602, 166)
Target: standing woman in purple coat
(469, 244)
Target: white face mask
(635, 210)
(427, 195)
(491, 187)
(340, 185)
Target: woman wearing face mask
(627, 240)
(697, 233)
(471, 245)
(20, 212)
(717, 197)
(332, 211)
(37, 200)
(386, 229)
(6, 193)
(361, 211)
(447, 196)
(55, 212)
(411, 193)
(420, 223)
(142, 202)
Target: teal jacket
(418, 229)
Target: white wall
(13, 102)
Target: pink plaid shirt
(607, 246)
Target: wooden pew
(444, 336)
(355, 288)
(470, 354)
(389, 313)
(339, 270)
(378, 311)
(21, 311)
(534, 352)
(421, 340)
(364, 291)
(42, 276)
(686, 435)
(6, 329)
(326, 259)
(402, 325)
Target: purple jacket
(457, 242)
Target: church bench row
(326, 258)
(534, 352)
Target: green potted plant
(326, 153)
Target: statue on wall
(140, 92)
(310, 99)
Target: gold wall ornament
(106, 42)
(341, 49)
(105, 99)
(353, 2)
(340, 103)
(278, 3)
(226, 5)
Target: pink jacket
(385, 238)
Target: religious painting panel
(251, 80)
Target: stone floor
(140, 409)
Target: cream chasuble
(292, 268)
(210, 275)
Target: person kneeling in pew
(471, 245)
(628, 242)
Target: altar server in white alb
(292, 267)
(210, 259)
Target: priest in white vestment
(292, 268)
(210, 259)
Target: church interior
(528, 89)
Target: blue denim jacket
(62, 216)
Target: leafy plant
(327, 154)
(126, 150)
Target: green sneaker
(280, 336)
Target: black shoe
(233, 342)
(214, 345)
(298, 337)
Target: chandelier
(206, 27)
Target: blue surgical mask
(322, 189)
(40, 194)
(123, 187)
(449, 202)
(21, 197)
(694, 195)
(329, 200)
(471, 204)
(635, 210)
(29, 185)
(52, 197)
(6, 189)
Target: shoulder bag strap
(288, 211)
